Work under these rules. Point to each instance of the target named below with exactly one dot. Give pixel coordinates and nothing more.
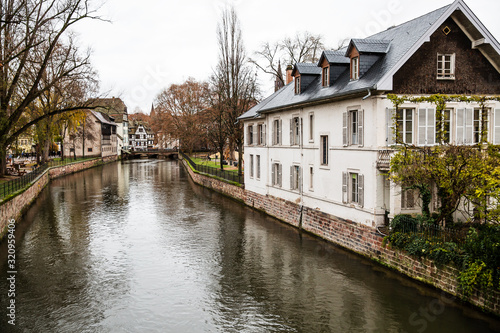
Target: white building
(140, 136)
(322, 140)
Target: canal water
(137, 247)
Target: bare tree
(215, 121)
(181, 106)
(32, 35)
(234, 78)
(303, 47)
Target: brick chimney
(289, 77)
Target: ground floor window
(353, 188)
(276, 171)
(295, 178)
(258, 166)
(251, 166)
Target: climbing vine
(457, 172)
(440, 101)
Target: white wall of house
(326, 193)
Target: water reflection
(137, 247)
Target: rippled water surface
(137, 247)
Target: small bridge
(151, 153)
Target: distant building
(96, 137)
(140, 136)
(116, 108)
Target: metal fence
(12, 186)
(228, 175)
(435, 232)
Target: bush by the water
(478, 257)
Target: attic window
(446, 66)
(355, 68)
(326, 76)
(297, 85)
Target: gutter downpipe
(369, 94)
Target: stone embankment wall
(358, 238)
(13, 207)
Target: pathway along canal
(137, 247)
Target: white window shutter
(275, 131)
(273, 174)
(361, 190)
(280, 170)
(460, 126)
(469, 125)
(280, 136)
(301, 132)
(291, 132)
(300, 180)
(264, 138)
(496, 127)
(344, 186)
(389, 139)
(360, 127)
(422, 127)
(431, 126)
(291, 177)
(344, 129)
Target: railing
(12, 186)
(435, 232)
(17, 184)
(228, 175)
(384, 160)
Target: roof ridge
(409, 21)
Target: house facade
(117, 110)
(95, 137)
(141, 136)
(324, 140)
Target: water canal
(137, 247)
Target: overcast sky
(151, 44)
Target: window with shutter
(344, 186)
(404, 123)
(361, 190)
(251, 166)
(360, 127)
(496, 127)
(344, 129)
(465, 126)
(426, 127)
(389, 138)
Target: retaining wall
(355, 237)
(13, 207)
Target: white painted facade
(324, 190)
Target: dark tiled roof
(306, 69)
(402, 38)
(335, 57)
(369, 45)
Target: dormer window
(355, 68)
(297, 85)
(446, 66)
(326, 76)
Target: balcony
(384, 160)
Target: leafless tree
(234, 78)
(34, 35)
(303, 47)
(180, 109)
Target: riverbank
(13, 206)
(357, 238)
